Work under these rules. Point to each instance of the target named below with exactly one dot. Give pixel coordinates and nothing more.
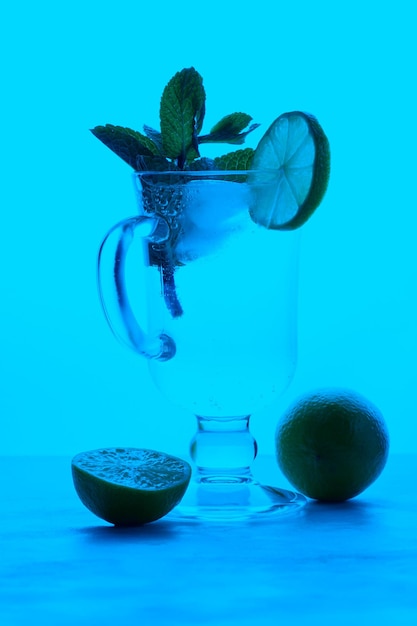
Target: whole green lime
(331, 444)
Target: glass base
(213, 499)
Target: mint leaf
(237, 160)
(181, 113)
(233, 123)
(154, 135)
(128, 144)
(228, 129)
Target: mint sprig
(177, 144)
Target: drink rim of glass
(204, 173)
(258, 176)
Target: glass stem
(223, 450)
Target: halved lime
(129, 486)
(296, 146)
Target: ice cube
(212, 210)
(210, 203)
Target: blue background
(66, 385)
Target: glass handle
(112, 285)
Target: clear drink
(236, 337)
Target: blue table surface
(354, 562)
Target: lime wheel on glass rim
(296, 147)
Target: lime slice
(297, 148)
(129, 486)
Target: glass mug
(219, 327)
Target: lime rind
(296, 147)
